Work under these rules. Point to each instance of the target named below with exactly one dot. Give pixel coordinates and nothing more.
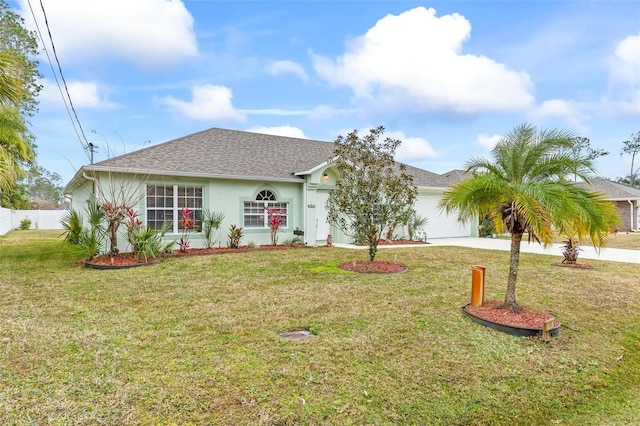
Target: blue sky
(446, 78)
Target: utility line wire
(86, 144)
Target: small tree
(526, 190)
(372, 190)
(117, 194)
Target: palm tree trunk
(514, 262)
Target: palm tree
(14, 147)
(528, 188)
(11, 87)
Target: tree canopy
(372, 191)
(19, 89)
(581, 147)
(527, 189)
(22, 45)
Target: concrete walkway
(588, 252)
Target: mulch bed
(573, 265)
(375, 267)
(527, 318)
(128, 259)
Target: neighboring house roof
(455, 176)
(613, 190)
(236, 154)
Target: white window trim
(265, 220)
(177, 211)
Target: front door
(322, 226)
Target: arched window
(255, 215)
(266, 195)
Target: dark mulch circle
(573, 265)
(492, 312)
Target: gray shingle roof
(232, 153)
(613, 190)
(454, 176)
(221, 152)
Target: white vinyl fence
(40, 219)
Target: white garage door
(440, 225)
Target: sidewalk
(588, 252)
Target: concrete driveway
(588, 252)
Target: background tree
(581, 147)
(632, 148)
(19, 89)
(525, 190)
(372, 189)
(23, 45)
(43, 185)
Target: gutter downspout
(304, 209)
(93, 182)
(631, 225)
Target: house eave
(168, 173)
(624, 198)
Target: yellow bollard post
(477, 285)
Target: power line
(86, 145)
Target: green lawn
(196, 340)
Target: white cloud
(623, 96)
(625, 63)
(285, 130)
(569, 112)
(415, 60)
(208, 103)
(146, 32)
(411, 150)
(288, 67)
(325, 112)
(487, 142)
(275, 111)
(84, 94)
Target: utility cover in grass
(296, 335)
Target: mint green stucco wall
(305, 200)
(219, 195)
(227, 196)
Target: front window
(165, 204)
(255, 215)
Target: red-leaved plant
(187, 224)
(275, 221)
